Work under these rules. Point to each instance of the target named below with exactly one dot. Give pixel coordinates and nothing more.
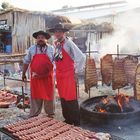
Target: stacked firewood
(44, 128)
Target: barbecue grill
(107, 118)
(44, 128)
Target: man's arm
(26, 62)
(79, 58)
(25, 67)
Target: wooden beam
(12, 55)
(12, 62)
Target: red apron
(66, 83)
(42, 82)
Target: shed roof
(103, 27)
(50, 18)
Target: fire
(102, 110)
(120, 101)
(105, 101)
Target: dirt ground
(14, 114)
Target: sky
(48, 5)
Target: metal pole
(89, 93)
(89, 52)
(78, 88)
(23, 96)
(28, 73)
(4, 84)
(27, 81)
(89, 55)
(123, 54)
(89, 43)
(118, 51)
(118, 90)
(4, 73)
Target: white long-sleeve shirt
(49, 50)
(76, 54)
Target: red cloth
(66, 83)
(42, 85)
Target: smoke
(126, 34)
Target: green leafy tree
(6, 5)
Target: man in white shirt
(69, 62)
(40, 57)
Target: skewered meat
(137, 83)
(119, 79)
(90, 74)
(43, 128)
(107, 69)
(29, 123)
(85, 133)
(74, 135)
(130, 65)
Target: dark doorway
(5, 41)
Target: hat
(58, 27)
(47, 36)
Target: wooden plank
(3, 63)
(10, 60)
(12, 55)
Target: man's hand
(24, 77)
(25, 67)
